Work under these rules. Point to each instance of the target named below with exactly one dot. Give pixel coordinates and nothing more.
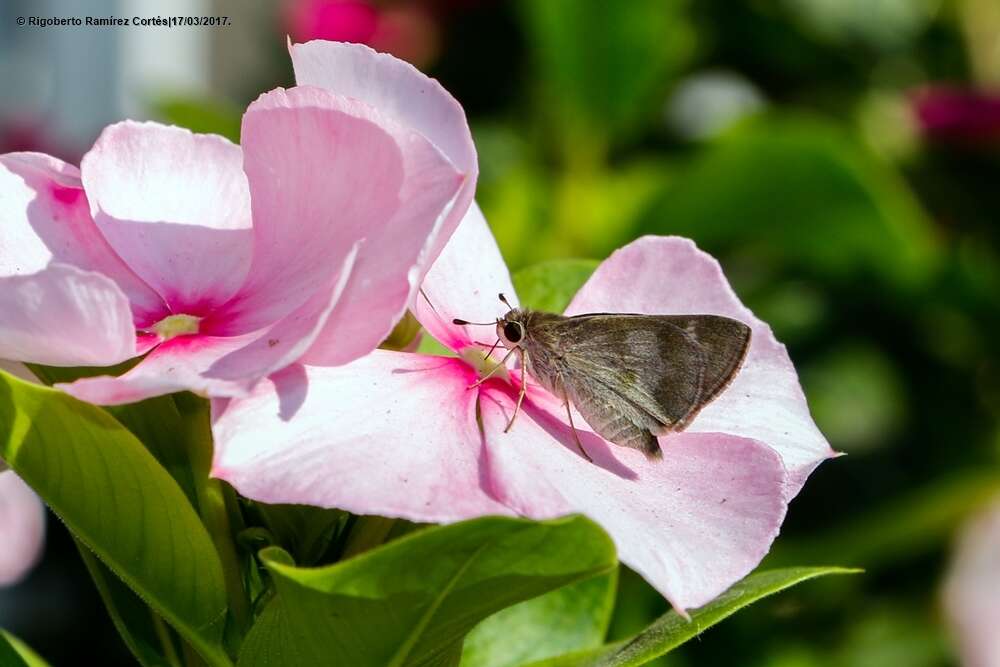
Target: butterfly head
(510, 328)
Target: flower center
(484, 365)
(176, 325)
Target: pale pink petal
(972, 591)
(287, 340)
(146, 341)
(669, 275)
(391, 433)
(326, 173)
(405, 95)
(213, 365)
(19, 371)
(179, 364)
(465, 282)
(62, 316)
(45, 218)
(176, 208)
(22, 528)
(692, 524)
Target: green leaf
(15, 653)
(302, 530)
(117, 499)
(430, 345)
(142, 631)
(412, 601)
(551, 285)
(671, 630)
(800, 192)
(403, 334)
(572, 618)
(211, 116)
(159, 425)
(156, 422)
(603, 67)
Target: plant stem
(215, 508)
(212, 498)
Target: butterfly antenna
(427, 299)
(462, 323)
(505, 301)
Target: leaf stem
(367, 533)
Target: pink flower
(22, 515)
(22, 528)
(225, 263)
(336, 20)
(958, 115)
(972, 591)
(403, 435)
(406, 31)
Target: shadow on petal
(599, 450)
(291, 384)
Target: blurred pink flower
(334, 20)
(408, 32)
(957, 114)
(22, 134)
(402, 435)
(22, 515)
(972, 591)
(223, 263)
(405, 30)
(22, 528)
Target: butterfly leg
(520, 395)
(576, 436)
(494, 370)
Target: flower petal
(325, 173)
(217, 366)
(392, 434)
(45, 217)
(179, 364)
(22, 527)
(62, 316)
(464, 283)
(286, 341)
(19, 371)
(404, 94)
(669, 275)
(691, 524)
(972, 590)
(176, 208)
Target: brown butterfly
(632, 377)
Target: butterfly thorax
(533, 332)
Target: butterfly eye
(513, 331)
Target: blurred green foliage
(871, 248)
(14, 653)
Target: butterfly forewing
(724, 343)
(633, 377)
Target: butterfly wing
(724, 343)
(634, 377)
